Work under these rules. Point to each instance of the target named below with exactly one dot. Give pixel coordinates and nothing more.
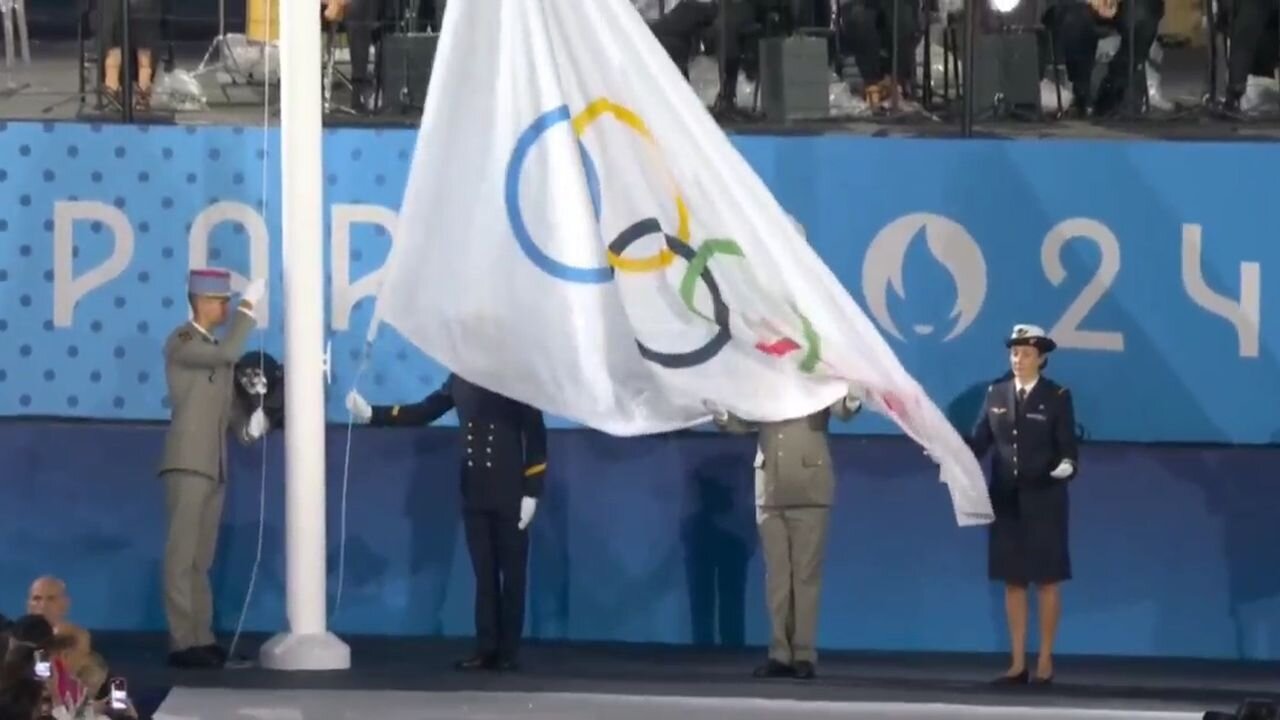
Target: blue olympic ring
(524, 145)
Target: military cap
(1032, 335)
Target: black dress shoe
(214, 651)
(804, 670)
(1018, 679)
(506, 665)
(1037, 680)
(774, 669)
(192, 658)
(477, 662)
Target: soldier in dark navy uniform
(1029, 421)
(504, 463)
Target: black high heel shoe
(1018, 679)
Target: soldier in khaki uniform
(795, 486)
(199, 370)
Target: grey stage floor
(49, 90)
(424, 665)
(205, 704)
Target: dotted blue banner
(1152, 289)
(99, 224)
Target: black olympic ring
(720, 311)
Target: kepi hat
(1032, 335)
(209, 282)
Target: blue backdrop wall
(1145, 259)
(653, 540)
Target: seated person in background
(866, 30)
(690, 23)
(48, 598)
(680, 26)
(1074, 25)
(1251, 27)
(144, 36)
(363, 19)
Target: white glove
(359, 407)
(1064, 469)
(257, 426)
(528, 506)
(853, 399)
(254, 291)
(716, 411)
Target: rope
(232, 662)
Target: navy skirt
(1029, 540)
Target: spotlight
(1005, 6)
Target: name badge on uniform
(1037, 416)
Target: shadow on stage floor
(424, 664)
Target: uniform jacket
(200, 372)
(504, 442)
(1030, 440)
(794, 457)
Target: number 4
(1246, 314)
(1067, 331)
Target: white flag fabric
(578, 234)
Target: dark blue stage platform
(652, 541)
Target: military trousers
(194, 507)
(792, 540)
(499, 552)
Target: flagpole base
(318, 651)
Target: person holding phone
(1028, 423)
(200, 374)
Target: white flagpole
(307, 645)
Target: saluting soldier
(1030, 422)
(199, 370)
(794, 487)
(504, 463)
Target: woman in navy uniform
(1029, 421)
(504, 464)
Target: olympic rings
(719, 310)
(677, 244)
(580, 123)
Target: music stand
(227, 61)
(331, 71)
(896, 110)
(14, 13)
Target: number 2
(1067, 331)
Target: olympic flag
(577, 233)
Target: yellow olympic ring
(664, 257)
